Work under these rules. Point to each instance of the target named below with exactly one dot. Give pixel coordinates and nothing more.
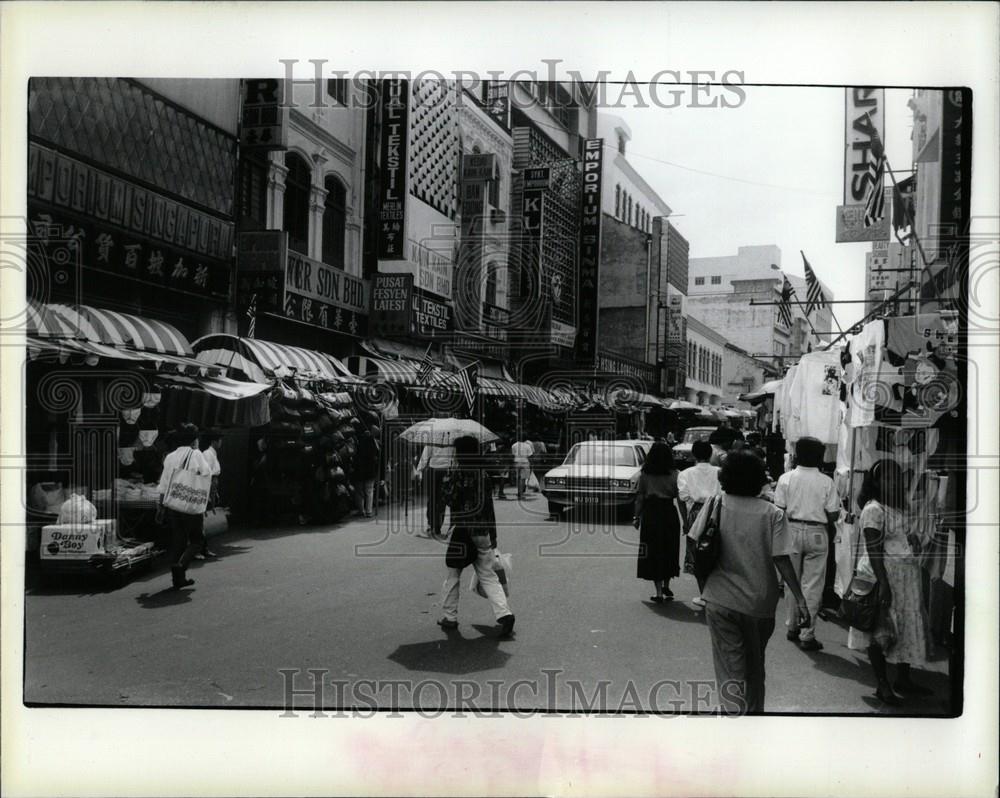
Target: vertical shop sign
(532, 219)
(263, 117)
(395, 108)
(497, 102)
(590, 249)
(390, 304)
(864, 119)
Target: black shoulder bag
(709, 543)
(859, 605)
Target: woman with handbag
(473, 538)
(899, 634)
(657, 519)
(749, 538)
(184, 487)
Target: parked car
(596, 474)
(683, 458)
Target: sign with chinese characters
(263, 119)
(391, 298)
(496, 100)
(266, 288)
(430, 317)
(323, 295)
(108, 249)
(675, 319)
(78, 188)
(851, 226)
(864, 120)
(590, 249)
(392, 192)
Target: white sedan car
(596, 474)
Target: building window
(618, 201)
(779, 348)
(334, 222)
(253, 193)
(296, 212)
(336, 89)
(699, 280)
(716, 279)
(621, 143)
(628, 214)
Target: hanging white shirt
(866, 359)
(814, 398)
(213, 460)
(699, 483)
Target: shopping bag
(216, 521)
(502, 566)
(187, 491)
(843, 550)
(532, 483)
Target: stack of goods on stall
(303, 457)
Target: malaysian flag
(426, 367)
(467, 379)
(875, 200)
(785, 305)
(814, 291)
(252, 315)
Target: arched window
(296, 212)
(492, 277)
(618, 201)
(628, 215)
(334, 222)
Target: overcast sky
(779, 157)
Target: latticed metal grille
(126, 127)
(434, 146)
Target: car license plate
(586, 499)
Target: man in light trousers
(811, 504)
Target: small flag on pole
(814, 291)
(875, 199)
(467, 379)
(785, 306)
(252, 315)
(426, 367)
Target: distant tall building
(721, 291)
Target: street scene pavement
(359, 601)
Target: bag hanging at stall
(859, 606)
(187, 490)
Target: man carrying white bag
(184, 488)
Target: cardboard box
(76, 541)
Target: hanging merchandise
(783, 403)
(814, 398)
(866, 362)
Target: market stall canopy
(680, 404)
(636, 400)
(262, 361)
(767, 389)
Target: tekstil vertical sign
(590, 249)
(395, 108)
(864, 118)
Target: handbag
(187, 491)
(709, 542)
(859, 606)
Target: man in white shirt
(695, 486)
(186, 529)
(521, 452)
(437, 461)
(811, 504)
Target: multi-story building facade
(742, 373)
(739, 293)
(705, 355)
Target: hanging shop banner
(850, 226)
(611, 363)
(496, 320)
(590, 250)
(537, 177)
(864, 118)
(325, 296)
(263, 125)
(479, 167)
(261, 251)
(675, 320)
(532, 221)
(395, 108)
(264, 288)
(496, 99)
(391, 305)
(430, 316)
(562, 334)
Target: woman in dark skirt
(658, 522)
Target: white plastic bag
(532, 482)
(77, 510)
(502, 566)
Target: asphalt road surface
(357, 602)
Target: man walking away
(186, 529)
(695, 486)
(521, 452)
(437, 461)
(811, 505)
(365, 471)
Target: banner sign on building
(496, 99)
(496, 320)
(479, 167)
(325, 296)
(851, 226)
(262, 125)
(537, 177)
(390, 308)
(261, 251)
(675, 319)
(590, 249)
(562, 334)
(395, 108)
(532, 221)
(864, 118)
(430, 317)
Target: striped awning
(125, 330)
(59, 321)
(407, 372)
(493, 387)
(261, 359)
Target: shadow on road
(676, 611)
(454, 653)
(168, 597)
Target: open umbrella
(445, 431)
